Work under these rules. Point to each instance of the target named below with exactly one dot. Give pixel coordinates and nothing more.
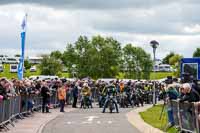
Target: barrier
(186, 116)
(175, 109)
(19, 105)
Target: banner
(23, 37)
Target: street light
(154, 44)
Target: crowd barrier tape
(19, 105)
(186, 116)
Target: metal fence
(186, 116)
(17, 107)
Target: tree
(27, 65)
(96, 58)
(166, 59)
(175, 62)
(196, 53)
(50, 66)
(56, 54)
(17, 55)
(137, 63)
(69, 58)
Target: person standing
(45, 93)
(61, 96)
(75, 95)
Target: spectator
(45, 93)
(3, 89)
(189, 94)
(75, 95)
(172, 94)
(61, 96)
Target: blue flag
(23, 37)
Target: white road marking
(69, 123)
(110, 122)
(86, 122)
(91, 118)
(98, 122)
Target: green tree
(69, 58)
(98, 57)
(196, 53)
(137, 63)
(175, 62)
(56, 54)
(50, 66)
(17, 55)
(27, 64)
(166, 59)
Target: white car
(33, 69)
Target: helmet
(85, 85)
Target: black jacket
(193, 96)
(45, 92)
(3, 92)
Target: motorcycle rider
(102, 94)
(86, 93)
(110, 91)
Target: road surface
(91, 121)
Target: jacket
(61, 93)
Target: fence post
(197, 116)
(178, 113)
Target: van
(13, 68)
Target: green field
(6, 73)
(152, 116)
(9, 75)
(160, 75)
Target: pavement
(36, 122)
(84, 121)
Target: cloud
(52, 24)
(91, 4)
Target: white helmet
(85, 85)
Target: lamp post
(154, 44)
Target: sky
(54, 23)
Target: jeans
(45, 106)
(74, 102)
(170, 116)
(62, 105)
(106, 104)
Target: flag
(23, 37)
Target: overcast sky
(53, 24)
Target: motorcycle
(111, 104)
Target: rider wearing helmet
(86, 93)
(110, 91)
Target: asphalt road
(91, 121)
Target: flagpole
(23, 39)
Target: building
(35, 60)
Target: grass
(152, 115)
(160, 75)
(6, 73)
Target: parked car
(33, 69)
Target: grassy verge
(152, 115)
(6, 73)
(160, 75)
